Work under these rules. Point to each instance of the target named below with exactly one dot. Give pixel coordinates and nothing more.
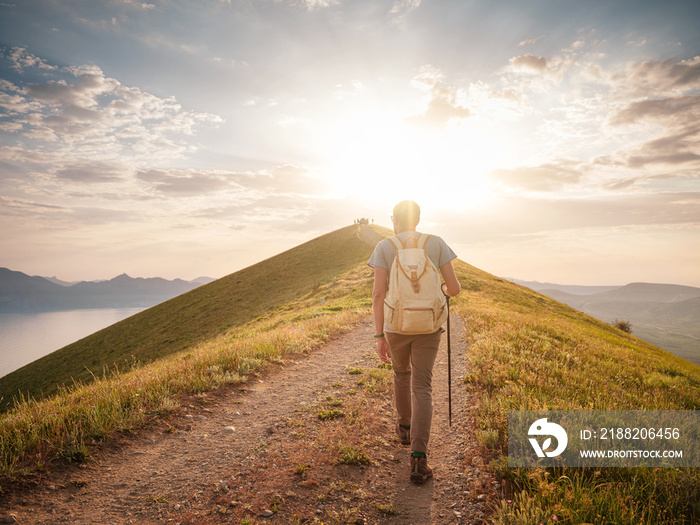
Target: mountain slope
(651, 292)
(666, 315)
(198, 315)
(572, 289)
(528, 352)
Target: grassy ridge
(529, 352)
(193, 317)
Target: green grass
(194, 317)
(351, 455)
(388, 509)
(330, 413)
(529, 352)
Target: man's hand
(383, 350)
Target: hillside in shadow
(198, 315)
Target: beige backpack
(414, 303)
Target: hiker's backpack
(414, 303)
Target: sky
(549, 140)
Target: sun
(375, 155)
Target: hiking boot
(420, 471)
(404, 434)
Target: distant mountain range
(666, 315)
(20, 292)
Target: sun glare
(374, 156)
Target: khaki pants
(413, 357)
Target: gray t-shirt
(438, 251)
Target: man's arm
(451, 286)
(378, 296)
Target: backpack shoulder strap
(422, 240)
(396, 242)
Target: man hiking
(408, 305)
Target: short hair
(407, 213)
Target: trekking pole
(449, 362)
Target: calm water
(27, 337)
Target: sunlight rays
(375, 155)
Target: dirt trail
(223, 453)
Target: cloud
(227, 62)
(546, 177)
(532, 74)
(253, 186)
(285, 179)
(92, 172)
(84, 93)
(12, 207)
(672, 150)
(677, 109)
(530, 216)
(684, 157)
(65, 200)
(508, 95)
(270, 209)
(639, 42)
(529, 64)
(444, 102)
(659, 77)
(617, 185)
(679, 142)
(75, 141)
(400, 9)
(185, 182)
(658, 97)
(32, 158)
(81, 111)
(284, 213)
(93, 216)
(530, 41)
(21, 59)
(12, 100)
(33, 216)
(311, 5)
(309, 217)
(319, 4)
(443, 106)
